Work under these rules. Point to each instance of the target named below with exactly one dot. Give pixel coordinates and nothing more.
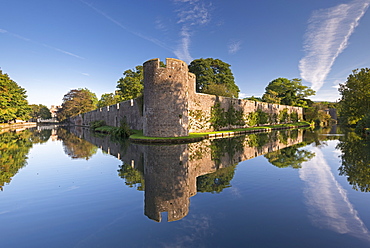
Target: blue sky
(52, 46)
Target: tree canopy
(288, 92)
(131, 85)
(108, 99)
(355, 101)
(77, 101)
(13, 100)
(214, 76)
(40, 111)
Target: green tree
(131, 85)
(40, 111)
(355, 101)
(317, 114)
(14, 148)
(75, 147)
(355, 161)
(132, 176)
(217, 181)
(288, 92)
(214, 76)
(108, 99)
(13, 100)
(290, 156)
(76, 102)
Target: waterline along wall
(170, 107)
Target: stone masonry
(171, 107)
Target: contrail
(153, 40)
(38, 43)
(192, 14)
(327, 201)
(327, 36)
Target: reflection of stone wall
(167, 178)
(170, 171)
(171, 106)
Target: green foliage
(262, 117)
(13, 102)
(76, 102)
(293, 116)
(132, 84)
(123, 130)
(363, 124)
(252, 119)
(221, 118)
(218, 119)
(132, 177)
(317, 114)
(257, 140)
(214, 76)
(14, 148)
(288, 92)
(40, 112)
(290, 157)
(284, 116)
(217, 181)
(96, 124)
(355, 161)
(355, 101)
(108, 99)
(75, 147)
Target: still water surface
(283, 189)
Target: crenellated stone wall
(171, 107)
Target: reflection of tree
(221, 147)
(290, 156)
(258, 140)
(76, 147)
(40, 136)
(132, 176)
(14, 148)
(217, 181)
(355, 161)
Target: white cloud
(191, 13)
(234, 46)
(327, 201)
(182, 52)
(327, 36)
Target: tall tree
(288, 92)
(40, 111)
(131, 85)
(13, 100)
(214, 76)
(108, 99)
(76, 102)
(355, 101)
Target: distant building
(54, 110)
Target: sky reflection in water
(267, 190)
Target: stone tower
(166, 98)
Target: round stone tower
(166, 98)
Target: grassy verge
(139, 137)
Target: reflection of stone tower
(168, 185)
(166, 96)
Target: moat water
(297, 188)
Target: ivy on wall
(221, 118)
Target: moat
(289, 188)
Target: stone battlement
(170, 107)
